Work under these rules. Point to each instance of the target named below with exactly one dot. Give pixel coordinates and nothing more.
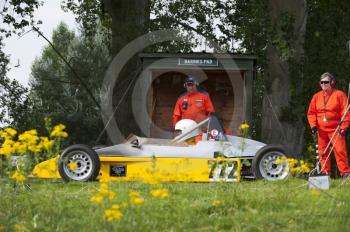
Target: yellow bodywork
(150, 169)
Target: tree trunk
(278, 95)
(130, 20)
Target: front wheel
(270, 163)
(79, 163)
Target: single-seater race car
(200, 153)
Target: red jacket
(325, 111)
(196, 106)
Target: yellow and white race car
(215, 157)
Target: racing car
(214, 156)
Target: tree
(55, 91)
(16, 17)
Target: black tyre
(86, 161)
(265, 164)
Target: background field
(247, 206)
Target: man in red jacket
(325, 112)
(194, 104)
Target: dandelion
(46, 143)
(10, 132)
(281, 160)
(113, 213)
(7, 147)
(315, 193)
(137, 201)
(244, 126)
(125, 204)
(105, 192)
(20, 148)
(134, 194)
(72, 166)
(160, 193)
(30, 138)
(19, 228)
(292, 162)
(216, 203)
(18, 177)
(311, 149)
(97, 199)
(58, 131)
(243, 131)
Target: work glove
(342, 132)
(314, 130)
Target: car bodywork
(217, 157)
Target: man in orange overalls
(194, 104)
(325, 112)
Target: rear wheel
(79, 163)
(270, 163)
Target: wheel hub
(271, 169)
(83, 162)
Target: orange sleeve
(343, 102)
(312, 113)
(208, 105)
(177, 112)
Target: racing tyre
(269, 163)
(79, 163)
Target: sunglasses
(324, 82)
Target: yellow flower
(315, 193)
(281, 160)
(292, 162)
(30, 138)
(134, 194)
(244, 126)
(19, 228)
(311, 149)
(216, 203)
(35, 148)
(160, 193)
(2, 228)
(20, 148)
(305, 168)
(10, 131)
(7, 147)
(18, 177)
(72, 166)
(137, 201)
(46, 143)
(113, 213)
(124, 204)
(58, 131)
(105, 192)
(97, 199)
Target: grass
(246, 206)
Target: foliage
(16, 17)
(191, 206)
(90, 13)
(55, 91)
(13, 98)
(19, 153)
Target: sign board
(198, 61)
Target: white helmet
(187, 126)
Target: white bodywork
(234, 147)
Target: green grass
(247, 206)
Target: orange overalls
(325, 112)
(196, 106)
